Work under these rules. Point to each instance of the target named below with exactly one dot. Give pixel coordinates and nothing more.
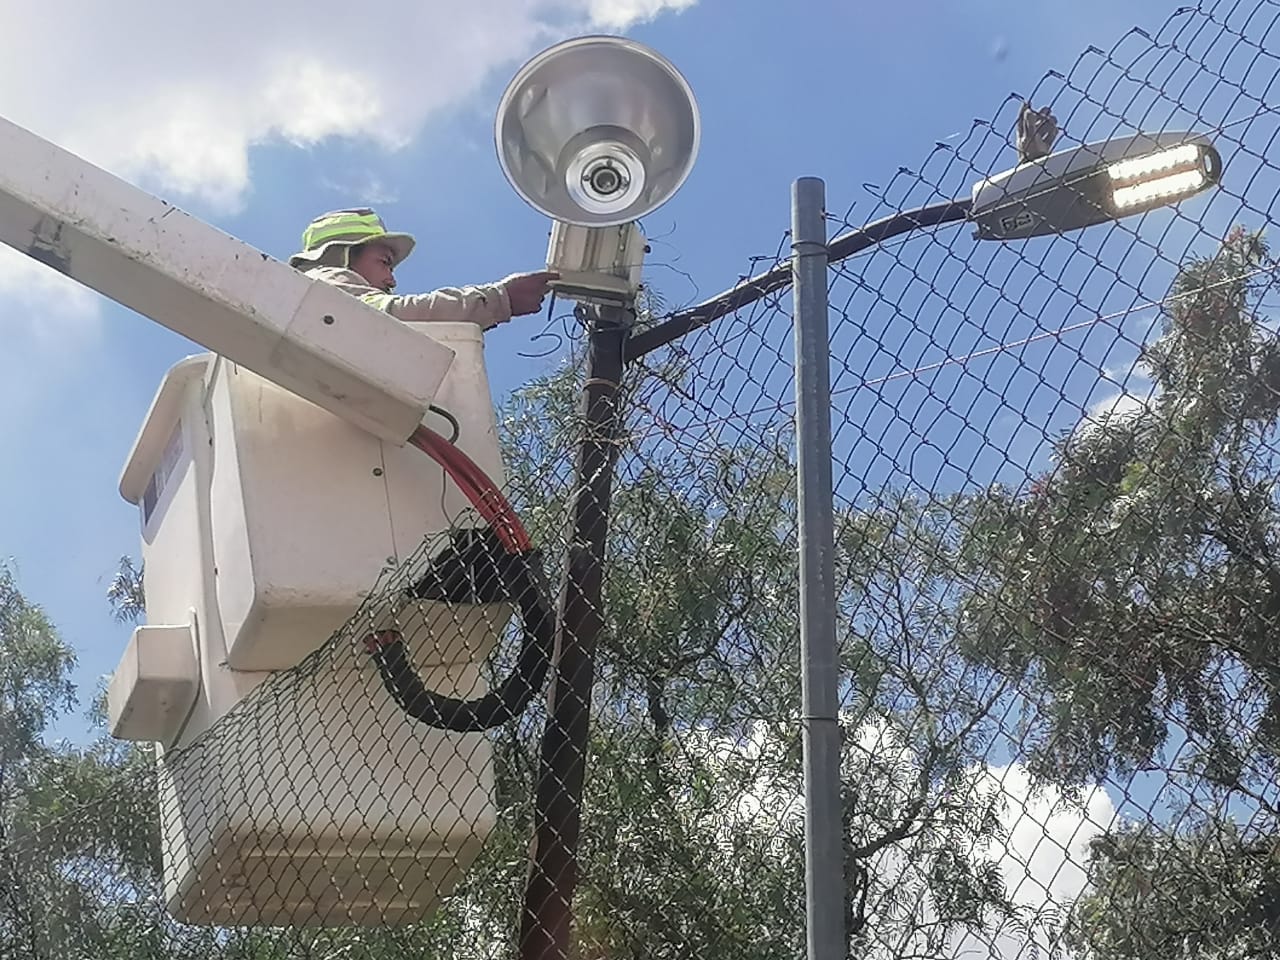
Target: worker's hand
(526, 290)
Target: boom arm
(306, 336)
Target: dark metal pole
(548, 908)
(824, 848)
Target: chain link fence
(1058, 571)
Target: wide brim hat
(340, 230)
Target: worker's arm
(487, 305)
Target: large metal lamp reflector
(595, 133)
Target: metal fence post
(824, 871)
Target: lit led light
(1175, 184)
(1094, 183)
(1155, 163)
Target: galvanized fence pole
(824, 873)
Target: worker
(354, 251)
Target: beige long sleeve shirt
(485, 304)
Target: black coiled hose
(477, 568)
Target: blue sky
(239, 121)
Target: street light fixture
(1093, 183)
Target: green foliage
(125, 594)
(59, 805)
(1132, 595)
(1210, 893)
(692, 838)
(1144, 571)
(35, 667)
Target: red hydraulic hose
(517, 565)
(488, 500)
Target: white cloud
(41, 306)
(620, 14)
(1118, 405)
(1046, 837)
(1134, 398)
(47, 320)
(1042, 854)
(174, 95)
(1041, 847)
(363, 187)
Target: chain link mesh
(1058, 569)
